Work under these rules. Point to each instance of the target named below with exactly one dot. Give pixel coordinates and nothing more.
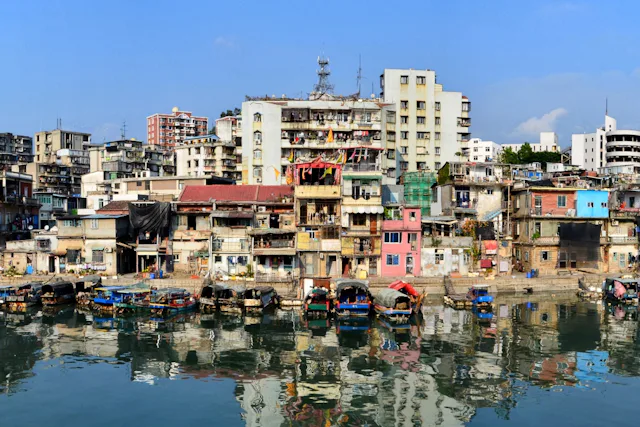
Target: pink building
(401, 240)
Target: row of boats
(345, 298)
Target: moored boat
(480, 298)
(5, 291)
(393, 305)
(353, 298)
(163, 302)
(621, 290)
(208, 301)
(104, 297)
(84, 289)
(317, 303)
(131, 298)
(259, 299)
(230, 299)
(24, 296)
(416, 297)
(57, 293)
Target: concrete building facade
(483, 151)
(432, 125)
(548, 142)
(170, 129)
(588, 149)
(207, 155)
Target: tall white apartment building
(276, 133)
(483, 151)
(548, 142)
(432, 124)
(588, 150)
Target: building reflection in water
(438, 371)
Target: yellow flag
(327, 171)
(291, 156)
(330, 137)
(277, 172)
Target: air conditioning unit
(108, 250)
(258, 179)
(615, 223)
(262, 208)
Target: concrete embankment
(434, 286)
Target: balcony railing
(361, 167)
(274, 244)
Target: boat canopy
(136, 288)
(208, 291)
(30, 285)
(391, 298)
(317, 292)
(58, 288)
(623, 281)
(172, 291)
(399, 285)
(342, 284)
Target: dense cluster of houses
(338, 219)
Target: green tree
(509, 156)
(525, 153)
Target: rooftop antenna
(323, 86)
(123, 130)
(359, 76)
(606, 106)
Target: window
(58, 202)
(489, 191)
(487, 149)
(437, 106)
(188, 165)
(475, 149)
(257, 137)
(404, 119)
(412, 217)
(421, 120)
(404, 104)
(437, 136)
(475, 157)
(439, 256)
(544, 256)
(421, 135)
(603, 204)
(421, 80)
(437, 151)
(562, 201)
(257, 117)
(393, 259)
(404, 135)
(589, 204)
(97, 255)
(176, 258)
(404, 80)
(437, 165)
(437, 121)
(100, 203)
(526, 256)
(466, 106)
(359, 220)
(392, 238)
(404, 166)
(257, 172)
(421, 105)
(94, 224)
(257, 154)
(196, 163)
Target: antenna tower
(359, 77)
(123, 130)
(323, 86)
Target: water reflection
(439, 370)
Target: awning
(64, 246)
(148, 253)
(98, 248)
(363, 209)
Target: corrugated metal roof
(236, 193)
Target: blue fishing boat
(5, 291)
(105, 296)
(393, 305)
(353, 298)
(479, 297)
(131, 299)
(163, 302)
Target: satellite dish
(30, 227)
(46, 228)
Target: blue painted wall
(592, 203)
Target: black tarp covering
(581, 243)
(149, 218)
(486, 232)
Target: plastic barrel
(528, 275)
(153, 275)
(159, 274)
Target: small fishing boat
(208, 301)
(24, 296)
(622, 291)
(353, 298)
(104, 297)
(479, 297)
(416, 297)
(163, 302)
(84, 289)
(58, 293)
(230, 299)
(317, 303)
(131, 299)
(259, 299)
(393, 305)
(5, 291)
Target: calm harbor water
(546, 359)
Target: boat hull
(353, 310)
(57, 300)
(392, 314)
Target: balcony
(355, 246)
(360, 167)
(317, 191)
(274, 247)
(622, 239)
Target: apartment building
(15, 149)
(277, 133)
(130, 158)
(483, 151)
(171, 129)
(588, 149)
(18, 208)
(548, 142)
(432, 124)
(230, 129)
(207, 155)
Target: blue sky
(526, 66)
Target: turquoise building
(592, 204)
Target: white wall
(271, 145)
(483, 151)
